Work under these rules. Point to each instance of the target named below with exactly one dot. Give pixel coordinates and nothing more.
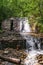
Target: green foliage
(22, 8)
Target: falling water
(33, 47)
(24, 26)
(32, 44)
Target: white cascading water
(24, 26)
(32, 44)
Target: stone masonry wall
(6, 24)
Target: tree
(22, 8)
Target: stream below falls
(33, 46)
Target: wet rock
(36, 64)
(40, 59)
(18, 47)
(10, 52)
(6, 52)
(22, 63)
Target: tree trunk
(9, 59)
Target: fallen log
(12, 60)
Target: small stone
(41, 62)
(22, 63)
(6, 52)
(3, 63)
(36, 64)
(18, 47)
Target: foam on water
(31, 57)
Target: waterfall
(24, 26)
(32, 43)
